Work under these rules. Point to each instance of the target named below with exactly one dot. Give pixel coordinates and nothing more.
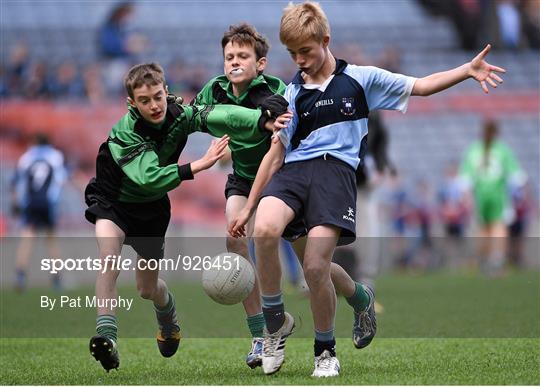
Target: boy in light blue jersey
(322, 139)
(35, 192)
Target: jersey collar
(340, 67)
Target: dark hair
(490, 130)
(41, 139)
(120, 11)
(246, 34)
(149, 74)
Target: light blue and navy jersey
(39, 176)
(332, 118)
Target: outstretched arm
(478, 68)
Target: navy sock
(274, 317)
(320, 346)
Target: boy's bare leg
(273, 215)
(343, 283)
(103, 346)
(151, 287)
(320, 246)
(252, 304)
(110, 239)
(22, 263)
(358, 296)
(54, 252)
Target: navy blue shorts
(40, 217)
(319, 191)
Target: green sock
(256, 324)
(107, 326)
(165, 310)
(359, 300)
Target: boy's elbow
(421, 88)
(419, 91)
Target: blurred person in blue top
(35, 192)
(307, 178)
(119, 45)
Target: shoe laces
(169, 330)
(271, 342)
(325, 361)
(365, 322)
(169, 326)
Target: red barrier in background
(79, 129)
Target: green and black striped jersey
(138, 162)
(248, 152)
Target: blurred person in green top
(489, 169)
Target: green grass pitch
(436, 329)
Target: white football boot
(326, 365)
(274, 346)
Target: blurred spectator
(490, 168)
(119, 46)
(93, 83)
(467, 18)
(116, 41)
(38, 84)
(454, 204)
(397, 203)
(3, 81)
(509, 20)
(522, 205)
(17, 69)
(35, 190)
(67, 82)
(466, 15)
(370, 177)
(420, 253)
(531, 22)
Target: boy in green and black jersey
(244, 84)
(128, 202)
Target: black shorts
(237, 185)
(39, 217)
(319, 191)
(454, 230)
(144, 224)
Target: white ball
(229, 279)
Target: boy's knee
(315, 273)
(266, 230)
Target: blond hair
(302, 22)
(149, 74)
